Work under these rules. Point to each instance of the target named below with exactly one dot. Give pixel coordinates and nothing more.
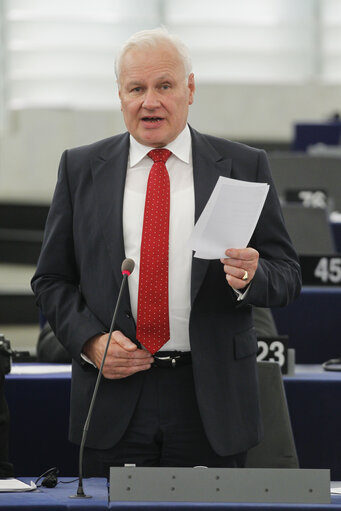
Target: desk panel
(313, 397)
(336, 230)
(313, 325)
(39, 407)
(310, 133)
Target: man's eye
(136, 89)
(165, 86)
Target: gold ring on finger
(245, 276)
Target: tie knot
(159, 155)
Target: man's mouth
(152, 119)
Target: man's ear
(191, 86)
(119, 95)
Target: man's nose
(151, 100)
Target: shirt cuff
(241, 294)
(87, 359)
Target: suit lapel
(208, 165)
(109, 173)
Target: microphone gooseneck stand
(127, 268)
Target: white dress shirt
(181, 223)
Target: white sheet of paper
(14, 485)
(40, 368)
(229, 217)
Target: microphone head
(128, 266)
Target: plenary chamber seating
(300, 171)
(309, 229)
(21, 234)
(312, 321)
(309, 134)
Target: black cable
(50, 476)
(67, 482)
(51, 479)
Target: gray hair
(151, 39)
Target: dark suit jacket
(78, 279)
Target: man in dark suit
(194, 401)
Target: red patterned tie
(152, 328)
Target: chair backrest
(301, 171)
(277, 449)
(21, 232)
(309, 229)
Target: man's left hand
(240, 266)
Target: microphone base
(80, 496)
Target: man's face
(155, 94)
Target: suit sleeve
(56, 281)
(277, 281)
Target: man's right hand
(123, 358)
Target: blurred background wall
(262, 115)
(259, 66)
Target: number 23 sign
(274, 349)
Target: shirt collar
(180, 147)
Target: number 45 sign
(274, 349)
(328, 270)
(321, 270)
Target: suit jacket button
(128, 314)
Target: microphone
(126, 269)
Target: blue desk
(39, 406)
(57, 499)
(168, 506)
(313, 324)
(179, 506)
